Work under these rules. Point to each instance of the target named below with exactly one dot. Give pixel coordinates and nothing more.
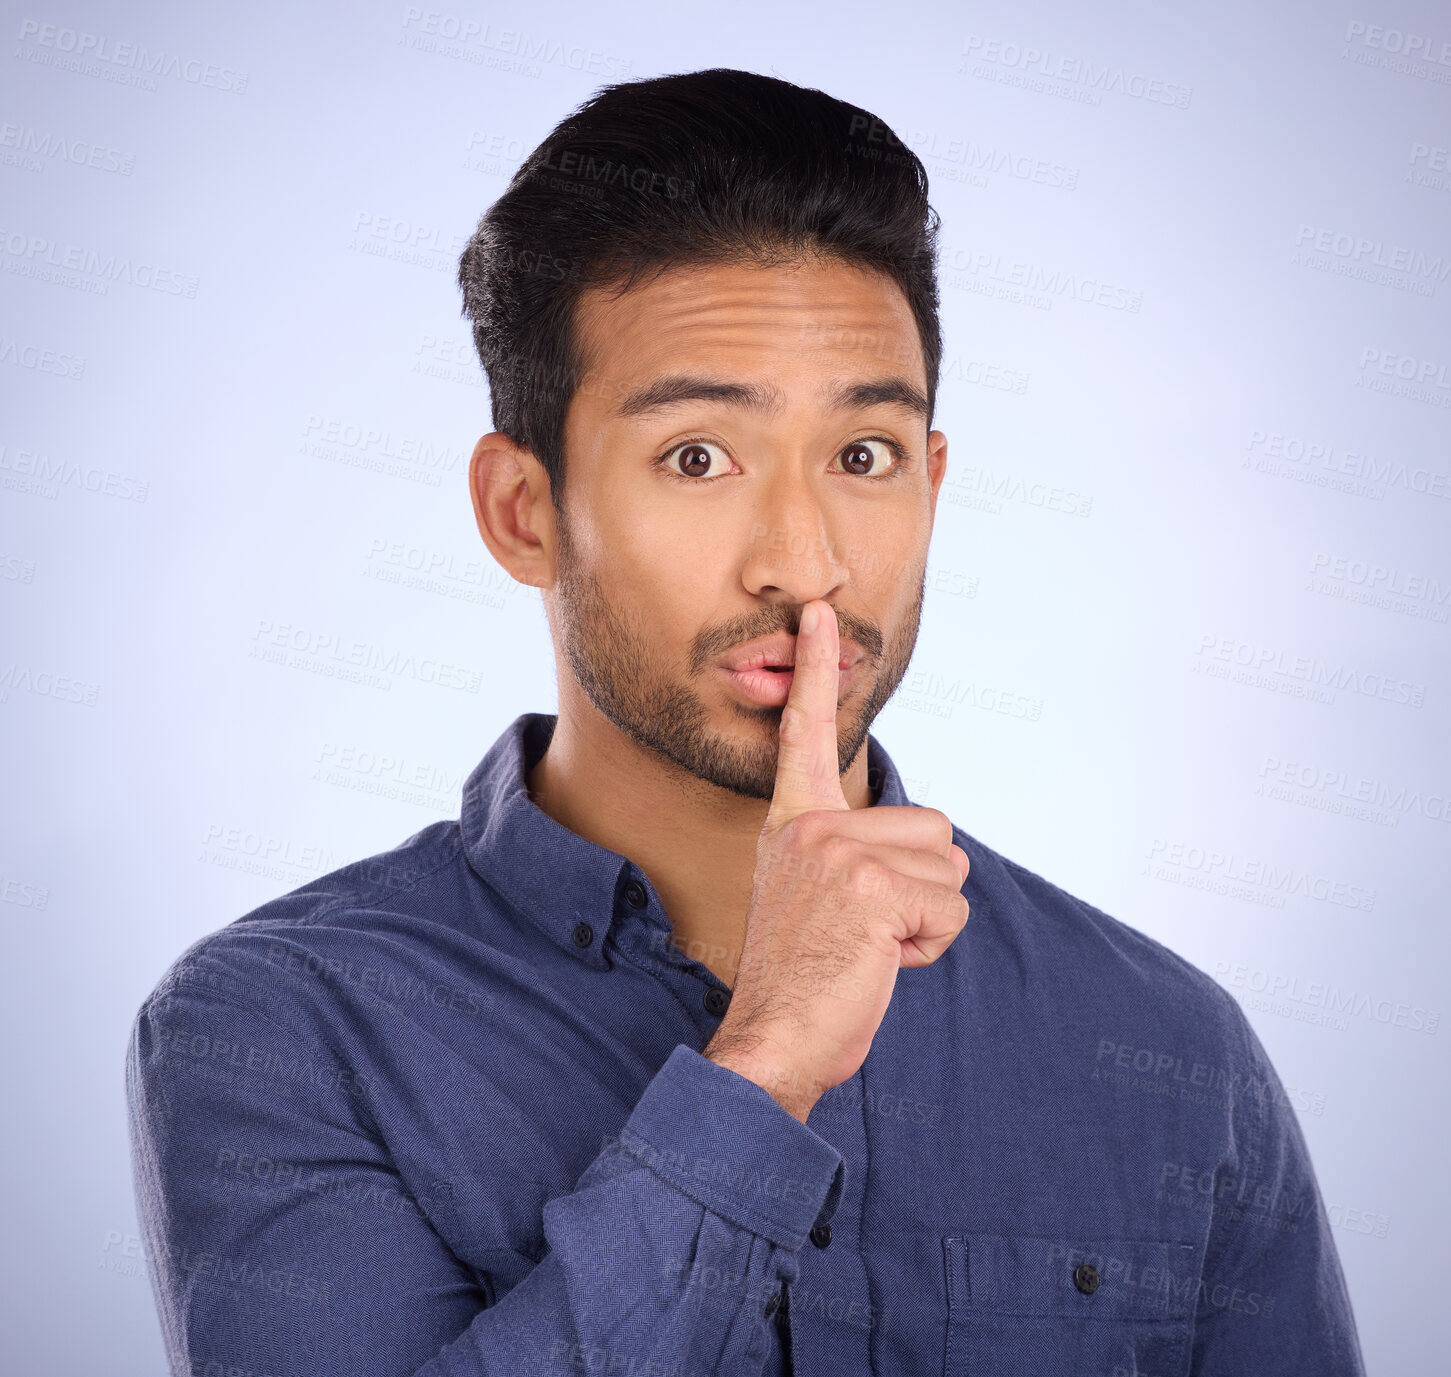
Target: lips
(770, 689)
(778, 652)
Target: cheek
(664, 575)
(671, 542)
(885, 556)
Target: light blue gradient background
(138, 816)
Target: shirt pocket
(1022, 1305)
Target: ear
(936, 464)
(512, 507)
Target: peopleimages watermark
(378, 450)
(608, 1362)
(344, 1190)
(39, 358)
(342, 657)
(1269, 1202)
(46, 683)
(962, 159)
(394, 986)
(1252, 870)
(224, 1057)
(1404, 375)
(219, 1271)
(1075, 78)
(388, 775)
(1324, 465)
(1168, 1072)
(1327, 997)
(472, 40)
(1430, 166)
(1302, 676)
(275, 855)
(1023, 282)
(742, 1180)
(22, 145)
(1396, 50)
(988, 489)
(22, 893)
(575, 169)
(1338, 791)
(76, 265)
(1149, 1283)
(1373, 260)
(1383, 586)
(128, 64)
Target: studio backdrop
(1184, 648)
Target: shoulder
(1128, 990)
(344, 914)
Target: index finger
(808, 772)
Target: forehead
(811, 319)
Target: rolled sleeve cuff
(727, 1144)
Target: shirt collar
(553, 876)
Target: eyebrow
(676, 388)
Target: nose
(790, 555)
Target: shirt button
(772, 1304)
(1085, 1278)
(583, 935)
(820, 1235)
(717, 1001)
(635, 894)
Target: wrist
(782, 1082)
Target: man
(677, 1052)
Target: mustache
(710, 646)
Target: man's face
(696, 523)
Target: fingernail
(810, 616)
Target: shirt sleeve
(1273, 1299)
(663, 1259)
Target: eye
(864, 458)
(859, 457)
(695, 461)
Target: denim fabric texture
(444, 1112)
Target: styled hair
(709, 167)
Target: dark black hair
(715, 166)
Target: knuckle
(837, 854)
(818, 822)
(941, 826)
(866, 876)
(939, 898)
(798, 832)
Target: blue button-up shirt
(444, 1111)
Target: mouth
(781, 659)
(770, 685)
(845, 663)
(763, 669)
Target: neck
(695, 842)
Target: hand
(842, 900)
